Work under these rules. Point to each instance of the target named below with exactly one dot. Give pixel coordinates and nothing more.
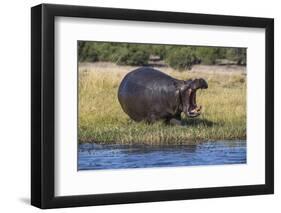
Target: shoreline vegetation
(102, 121)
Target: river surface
(95, 156)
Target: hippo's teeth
(193, 111)
(197, 109)
(193, 114)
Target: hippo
(147, 94)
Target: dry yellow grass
(102, 120)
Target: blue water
(95, 156)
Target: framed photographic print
(139, 106)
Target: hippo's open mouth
(193, 110)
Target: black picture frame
(43, 102)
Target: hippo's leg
(151, 118)
(175, 121)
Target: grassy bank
(102, 120)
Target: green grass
(101, 119)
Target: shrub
(178, 57)
(132, 56)
(87, 52)
(208, 55)
(181, 58)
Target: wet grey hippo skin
(146, 94)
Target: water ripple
(95, 156)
